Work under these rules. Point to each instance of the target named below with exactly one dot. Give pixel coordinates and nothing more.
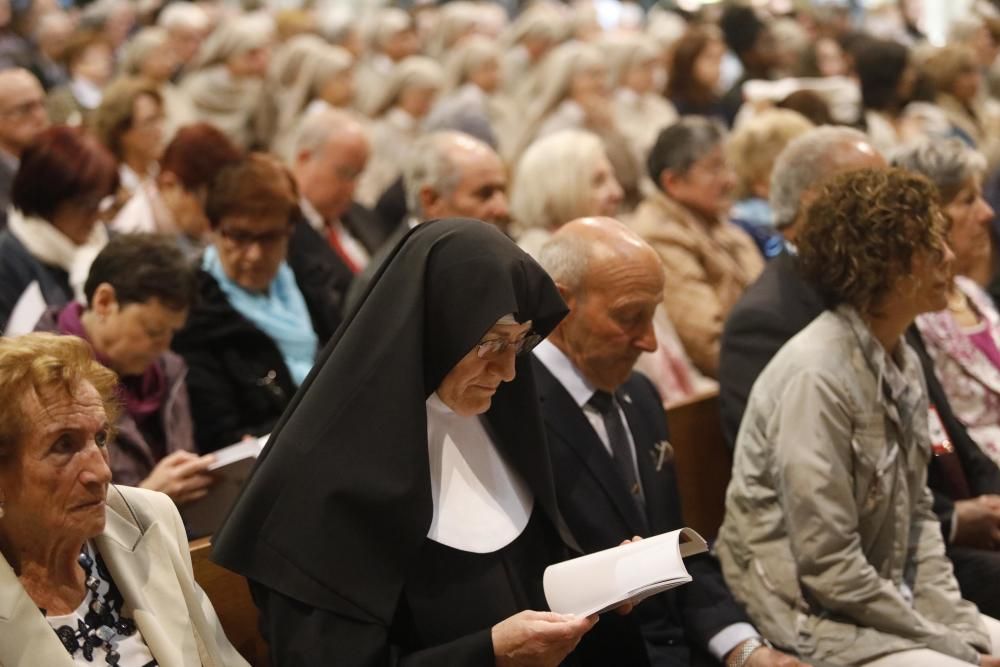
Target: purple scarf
(144, 394)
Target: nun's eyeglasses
(495, 347)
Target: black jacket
(777, 307)
(600, 513)
(237, 379)
(18, 269)
(321, 275)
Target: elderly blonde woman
(129, 122)
(89, 572)
(637, 81)
(152, 55)
(561, 177)
(956, 77)
(405, 102)
(226, 82)
(829, 539)
(472, 85)
(751, 151)
(574, 94)
(391, 37)
(306, 75)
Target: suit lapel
(28, 639)
(566, 418)
(141, 567)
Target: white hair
(948, 163)
(412, 71)
(430, 164)
(318, 128)
(807, 161)
(183, 15)
(626, 50)
(553, 179)
(140, 47)
(467, 57)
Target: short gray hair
(317, 128)
(807, 161)
(948, 163)
(680, 145)
(429, 164)
(566, 258)
(183, 15)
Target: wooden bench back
(702, 461)
(230, 596)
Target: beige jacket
(151, 566)
(829, 540)
(708, 265)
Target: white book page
(244, 449)
(29, 308)
(632, 572)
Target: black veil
(340, 499)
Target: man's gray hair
(807, 161)
(566, 258)
(183, 15)
(317, 128)
(948, 163)
(429, 164)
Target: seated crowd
(454, 262)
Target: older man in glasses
(22, 118)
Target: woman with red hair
(54, 225)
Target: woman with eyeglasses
(403, 511)
(252, 336)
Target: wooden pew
(702, 461)
(231, 598)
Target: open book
(600, 581)
(231, 469)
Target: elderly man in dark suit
(22, 118)
(781, 303)
(607, 437)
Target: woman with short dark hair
(253, 335)
(54, 226)
(829, 539)
(138, 293)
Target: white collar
(87, 93)
(569, 376)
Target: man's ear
(568, 295)
(104, 301)
(428, 200)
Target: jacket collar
(133, 557)
(564, 415)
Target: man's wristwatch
(739, 656)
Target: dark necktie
(621, 451)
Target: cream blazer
(146, 551)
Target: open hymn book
(600, 581)
(231, 469)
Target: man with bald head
(448, 174)
(780, 303)
(22, 118)
(608, 443)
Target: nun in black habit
(403, 511)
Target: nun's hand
(538, 638)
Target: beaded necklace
(103, 620)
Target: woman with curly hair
(829, 538)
